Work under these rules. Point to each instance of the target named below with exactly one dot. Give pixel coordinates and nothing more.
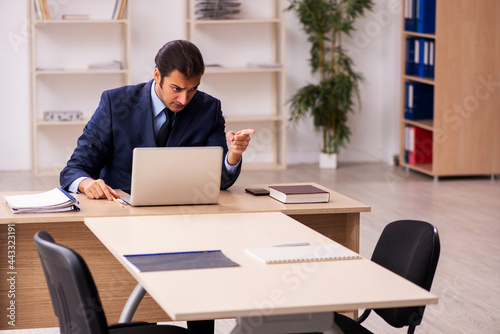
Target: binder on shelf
(420, 57)
(410, 56)
(407, 142)
(426, 16)
(420, 146)
(431, 58)
(419, 101)
(423, 67)
(410, 17)
(417, 56)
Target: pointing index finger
(246, 132)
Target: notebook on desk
(175, 176)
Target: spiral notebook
(327, 252)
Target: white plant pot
(327, 161)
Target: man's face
(176, 90)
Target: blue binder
(426, 16)
(417, 60)
(423, 66)
(432, 53)
(410, 15)
(410, 56)
(419, 101)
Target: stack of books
(216, 9)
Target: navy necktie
(166, 128)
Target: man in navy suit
(131, 116)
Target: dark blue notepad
(180, 260)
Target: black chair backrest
(410, 249)
(72, 289)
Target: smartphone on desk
(257, 191)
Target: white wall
(375, 48)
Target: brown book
(299, 194)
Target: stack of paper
(55, 200)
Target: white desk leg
(132, 303)
(294, 323)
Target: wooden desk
(339, 220)
(253, 288)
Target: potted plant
(331, 99)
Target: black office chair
(75, 298)
(410, 249)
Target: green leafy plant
(330, 100)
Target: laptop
(175, 176)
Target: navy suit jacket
(124, 120)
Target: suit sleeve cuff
(73, 187)
(231, 168)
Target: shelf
(427, 124)
(235, 21)
(428, 81)
(42, 23)
(41, 122)
(248, 69)
(418, 34)
(423, 168)
(78, 72)
(61, 52)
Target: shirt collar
(158, 106)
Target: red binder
(420, 151)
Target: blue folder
(419, 101)
(426, 16)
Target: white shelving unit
(249, 74)
(61, 81)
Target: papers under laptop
(175, 176)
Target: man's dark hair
(182, 56)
